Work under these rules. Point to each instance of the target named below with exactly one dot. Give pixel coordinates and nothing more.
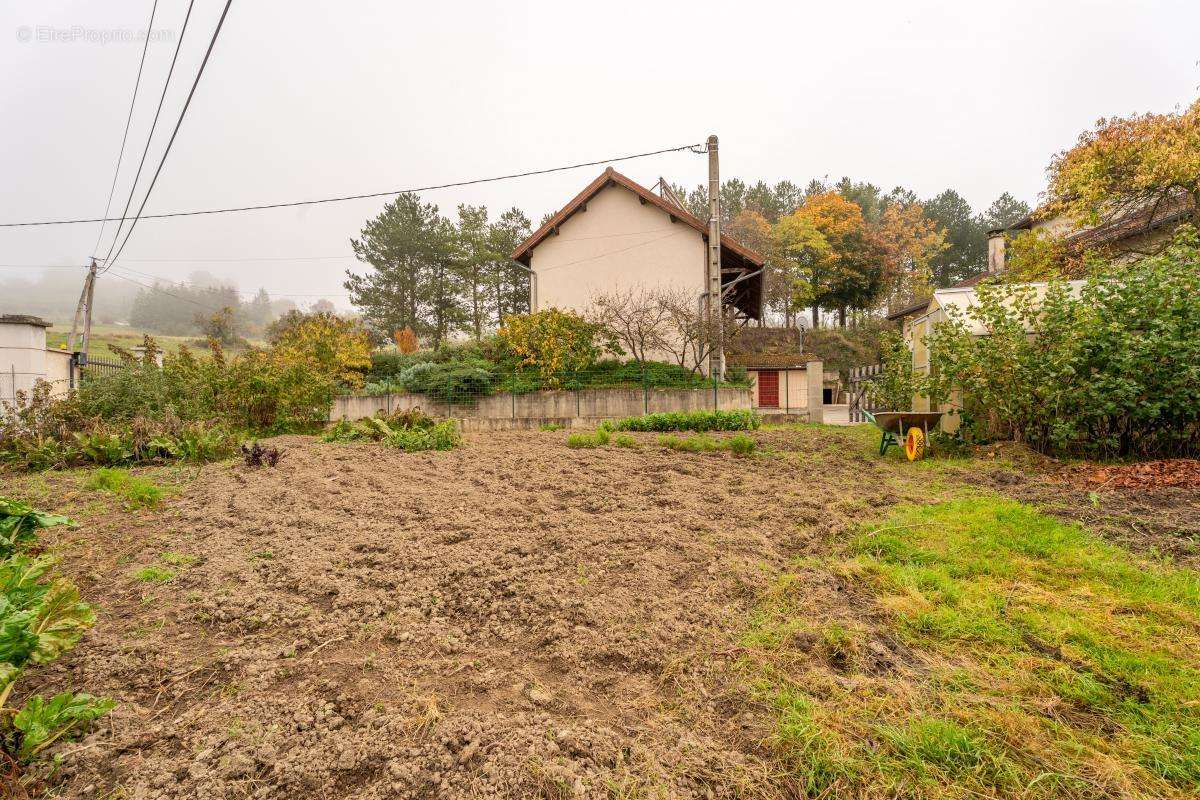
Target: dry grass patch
(980, 648)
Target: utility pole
(716, 330)
(85, 300)
(87, 319)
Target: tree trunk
(816, 315)
(842, 317)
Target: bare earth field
(510, 619)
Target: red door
(768, 388)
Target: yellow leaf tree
(908, 242)
(1127, 165)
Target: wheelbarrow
(912, 425)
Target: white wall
(618, 243)
(22, 357)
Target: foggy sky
(306, 99)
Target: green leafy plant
(19, 524)
(410, 430)
(105, 448)
(40, 723)
(597, 438)
(442, 436)
(690, 444)
(40, 619)
(137, 492)
(741, 445)
(626, 441)
(698, 421)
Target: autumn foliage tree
(1127, 165)
(908, 243)
(333, 345)
(406, 340)
(827, 253)
(553, 343)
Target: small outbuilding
(784, 379)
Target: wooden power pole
(716, 328)
(84, 310)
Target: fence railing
(862, 397)
(90, 365)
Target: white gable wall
(616, 244)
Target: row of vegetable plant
(41, 617)
(411, 430)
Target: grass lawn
(104, 336)
(980, 648)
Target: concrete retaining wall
(546, 407)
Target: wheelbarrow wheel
(914, 444)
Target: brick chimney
(995, 251)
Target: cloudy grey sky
(305, 99)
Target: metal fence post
(645, 391)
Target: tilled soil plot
(510, 619)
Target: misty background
(303, 100)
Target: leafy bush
(333, 345)
(625, 440)
(1110, 370)
(442, 436)
(411, 430)
(289, 387)
(700, 421)
(741, 445)
(597, 438)
(553, 343)
(40, 432)
(897, 385)
(40, 619)
(137, 492)
(453, 382)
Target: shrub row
(698, 421)
(39, 432)
(1109, 367)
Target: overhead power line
(389, 193)
(128, 119)
(179, 122)
(149, 136)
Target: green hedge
(698, 421)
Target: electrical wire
(164, 291)
(150, 136)
(414, 190)
(179, 122)
(128, 119)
